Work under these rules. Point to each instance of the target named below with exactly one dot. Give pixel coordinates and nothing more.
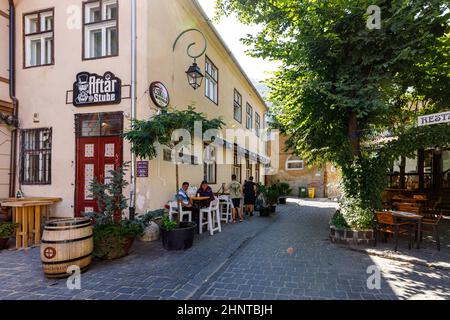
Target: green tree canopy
(341, 84)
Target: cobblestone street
(286, 256)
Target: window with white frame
(249, 119)
(36, 154)
(294, 163)
(237, 106)
(100, 36)
(211, 81)
(210, 164)
(257, 124)
(38, 38)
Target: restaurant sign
(90, 89)
(159, 94)
(435, 118)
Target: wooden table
(413, 217)
(27, 212)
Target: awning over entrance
(243, 151)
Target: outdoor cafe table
(413, 217)
(200, 200)
(27, 213)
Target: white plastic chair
(225, 208)
(175, 207)
(212, 218)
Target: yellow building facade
(74, 83)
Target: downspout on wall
(12, 95)
(132, 208)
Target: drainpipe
(132, 208)
(12, 95)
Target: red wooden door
(95, 158)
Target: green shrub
(7, 229)
(168, 224)
(338, 221)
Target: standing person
(235, 194)
(249, 196)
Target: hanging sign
(159, 94)
(90, 89)
(435, 118)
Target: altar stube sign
(434, 118)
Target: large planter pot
(114, 247)
(264, 212)
(3, 243)
(282, 200)
(352, 237)
(180, 238)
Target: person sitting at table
(186, 201)
(205, 191)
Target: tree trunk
(177, 177)
(353, 134)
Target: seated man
(186, 202)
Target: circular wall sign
(159, 94)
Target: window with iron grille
(249, 123)
(237, 106)
(36, 156)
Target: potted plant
(261, 200)
(7, 230)
(113, 234)
(284, 190)
(177, 236)
(273, 194)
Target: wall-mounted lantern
(194, 73)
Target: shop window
(249, 119)
(100, 35)
(210, 164)
(99, 124)
(237, 106)
(258, 173)
(248, 169)
(294, 163)
(237, 166)
(38, 38)
(211, 81)
(36, 154)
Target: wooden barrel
(65, 243)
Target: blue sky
(232, 31)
